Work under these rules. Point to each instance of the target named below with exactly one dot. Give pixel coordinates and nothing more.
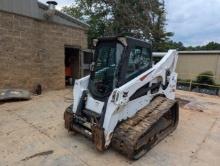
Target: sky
(194, 22)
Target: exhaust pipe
(51, 9)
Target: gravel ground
(32, 133)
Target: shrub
(206, 78)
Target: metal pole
(190, 85)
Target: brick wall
(32, 51)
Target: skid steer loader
(126, 101)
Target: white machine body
(118, 106)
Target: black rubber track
(137, 135)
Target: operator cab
(117, 61)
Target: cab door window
(138, 62)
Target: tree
(179, 46)
(209, 46)
(172, 45)
(138, 18)
(92, 13)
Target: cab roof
(130, 40)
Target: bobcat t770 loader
(126, 101)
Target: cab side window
(139, 60)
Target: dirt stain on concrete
(196, 106)
(38, 154)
